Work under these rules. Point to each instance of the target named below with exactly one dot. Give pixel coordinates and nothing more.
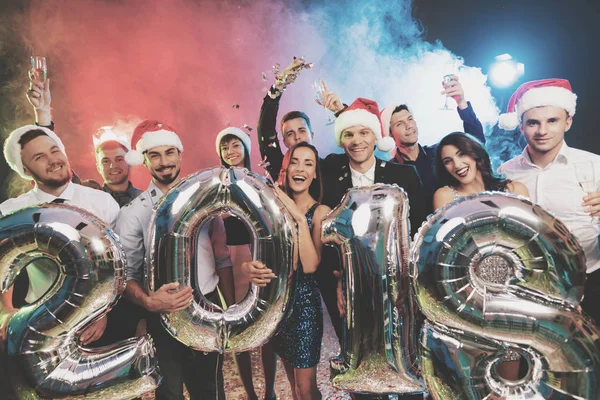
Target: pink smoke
(182, 62)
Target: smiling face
(295, 131)
(232, 152)
(302, 170)
(164, 163)
(110, 162)
(544, 129)
(45, 162)
(358, 143)
(461, 166)
(403, 129)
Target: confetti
(235, 106)
(264, 76)
(246, 126)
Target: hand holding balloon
(291, 206)
(168, 299)
(341, 300)
(93, 332)
(258, 272)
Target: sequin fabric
(299, 340)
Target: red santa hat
(238, 133)
(386, 117)
(149, 134)
(106, 134)
(364, 112)
(545, 92)
(12, 148)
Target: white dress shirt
(555, 188)
(133, 228)
(42, 273)
(366, 179)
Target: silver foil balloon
(47, 359)
(495, 274)
(179, 218)
(370, 229)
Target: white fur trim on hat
(386, 117)
(386, 144)
(508, 121)
(237, 132)
(547, 96)
(357, 117)
(12, 148)
(539, 97)
(152, 139)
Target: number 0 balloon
(179, 217)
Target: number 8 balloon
(42, 337)
(495, 274)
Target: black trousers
(328, 286)
(591, 300)
(202, 373)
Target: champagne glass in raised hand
(449, 72)
(320, 89)
(584, 172)
(38, 71)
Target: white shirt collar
(44, 197)
(360, 177)
(562, 156)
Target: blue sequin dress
(299, 339)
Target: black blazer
(337, 179)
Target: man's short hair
(400, 108)
(30, 135)
(293, 115)
(110, 145)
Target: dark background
(554, 39)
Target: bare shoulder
(321, 212)
(442, 196)
(517, 188)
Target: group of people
(309, 186)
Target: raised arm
(268, 140)
(471, 123)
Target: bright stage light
(505, 71)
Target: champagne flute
(449, 72)
(319, 91)
(584, 172)
(38, 69)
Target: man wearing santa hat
(358, 131)
(159, 148)
(36, 153)
(544, 111)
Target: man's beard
(54, 182)
(167, 180)
(123, 179)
